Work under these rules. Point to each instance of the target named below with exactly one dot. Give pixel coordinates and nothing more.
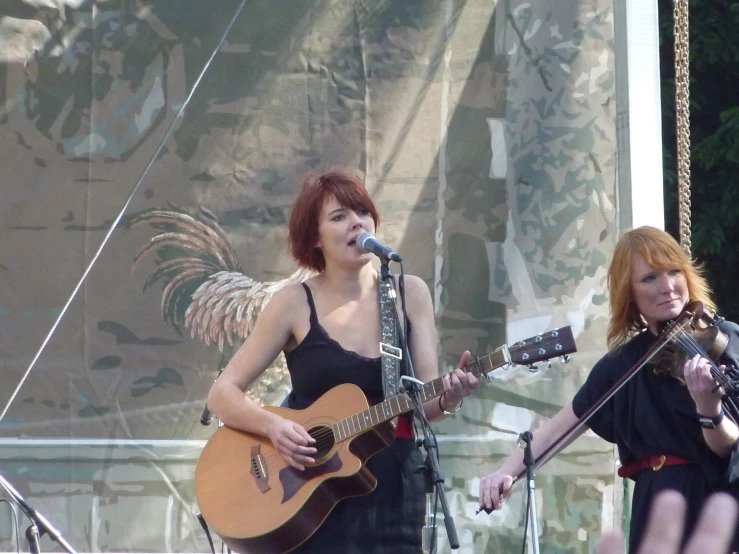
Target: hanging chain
(682, 112)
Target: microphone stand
(207, 415)
(39, 524)
(226, 354)
(428, 531)
(414, 390)
(528, 461)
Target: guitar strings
(325, 435)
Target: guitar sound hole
(324, 440)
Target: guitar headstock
(545, 346)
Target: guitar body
(257, 503)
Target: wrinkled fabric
(655, 414)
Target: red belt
(404, 430)
(655, 462)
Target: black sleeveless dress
(389, 519)
(656, 415)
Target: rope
(682, 113)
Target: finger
(451, 383)
(303, 459)
(611, 542)
(505, 488)
(704, 370)
(665, 526)
(296, 450)
(292, 463)
(490, 497)
(446, 381)
(466, 379)
(715, 527)
(691, 364)
(296, 436)
(304, 433)
(472, 382)
(465, 359)
(486, 501)
(304, 450)
(495, 496)
(689, 375)
(460, 374)
(456, 384)
(294, 459)
(484, 495)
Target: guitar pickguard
(293, 479)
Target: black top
(655, 414)
(389, 519)
(319, 363)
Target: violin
(681, 337)
(699, 335)
(692, 332)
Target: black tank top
(319, 363)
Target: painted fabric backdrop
(486, 134)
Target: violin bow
(561, 443)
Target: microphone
(368, 243)
(207, 416)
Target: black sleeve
(730, 356)
(599, 381)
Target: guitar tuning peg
(533, 368)
(565, 359)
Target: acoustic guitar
(258, 504)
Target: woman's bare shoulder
(413, 283)
(288, 296)
(416, 290)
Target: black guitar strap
(389, 340)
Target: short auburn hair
(662, 253)
(315, 189)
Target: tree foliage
(714, 129)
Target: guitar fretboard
(400, 404)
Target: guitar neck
(400, 404)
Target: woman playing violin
(329, 328)
(670, 433)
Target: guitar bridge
(259, 468)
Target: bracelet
(711, 422)
(455, 409)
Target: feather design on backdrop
(205, 289)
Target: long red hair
(315, 189)
(661, 252)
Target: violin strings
(692, 348)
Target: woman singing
(329, 329)
(669, 435)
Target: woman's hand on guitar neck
(292, 442)
(458, 384)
